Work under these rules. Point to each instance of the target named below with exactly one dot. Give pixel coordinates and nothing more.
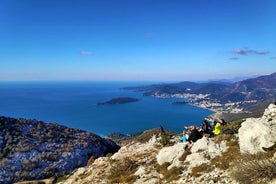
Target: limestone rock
(33, 150)
(256, 133)
(206, 144)
(202, 149)
(270, 112)
(171, 154)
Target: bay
(74, 104)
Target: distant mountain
(31, 149)
(260, 88)
(262, 82)
(212, 88)
(181, 87)
(254, 90)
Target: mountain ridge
(235, 97)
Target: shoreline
(219, 110)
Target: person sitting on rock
(184, 137)
(206, 128)
(195, 135)
(217, 128)
(222, 122)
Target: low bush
(165, 139)
(258, 168)
(232, 127)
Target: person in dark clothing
(223, 122)
(206, 127)
(194, 135)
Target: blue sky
(136, 39)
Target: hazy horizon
(136, 40)
(234, 79)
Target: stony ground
(209, 160)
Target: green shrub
(165, 139)
(232, 127)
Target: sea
(74, 104)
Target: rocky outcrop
(31, 149)
(157, 164)
(100, 172)
(171, 154)
(256, 134)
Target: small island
(120, 100)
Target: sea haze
(74, 104)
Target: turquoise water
(73, 104)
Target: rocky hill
(260, 88)
(248, 156)
(245, 96)
(31, 149)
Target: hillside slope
(223, 159)
(31, 149)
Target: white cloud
(85, 53)
(247, 51)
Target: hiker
(217, 128)
(206, 127)
(223, 122)
(195, 135)
(184, 137)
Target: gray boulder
(256, 134)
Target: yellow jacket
(217, 129)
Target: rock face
(258, 133)
(31, 149)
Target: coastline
(228, 111)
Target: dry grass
(232, 153)
(258, 168)
(224, 161)
(244, 168)
(185, 154)
(172, 174)
(224, 137)
(123, 171)
(90, 161)
(201, 169)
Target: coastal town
(204, 101)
